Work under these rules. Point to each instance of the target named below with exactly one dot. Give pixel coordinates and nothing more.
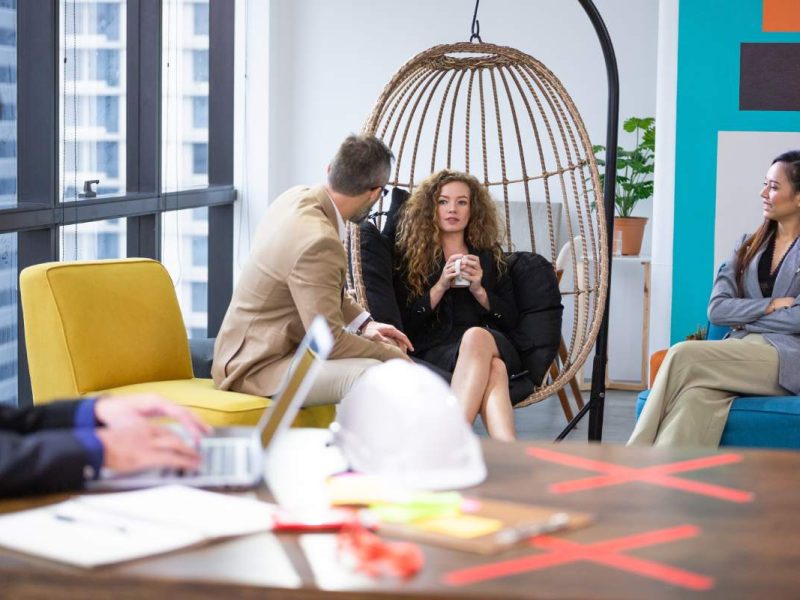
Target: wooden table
(669, 524)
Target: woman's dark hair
(751, 246)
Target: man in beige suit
(296, 270)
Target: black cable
(476, 25)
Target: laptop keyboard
(220, 459)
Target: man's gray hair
(361, 164)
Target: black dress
(436, 333)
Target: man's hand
(145, 446)
(389, 334)
(137, 409)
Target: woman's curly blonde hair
(418, 229)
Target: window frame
(39, 214)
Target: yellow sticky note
(463, 526)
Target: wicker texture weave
(501, 115)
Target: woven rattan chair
(501, 115)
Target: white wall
(326, 62)
(664, 189)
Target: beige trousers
(336, 378)
(692, 394)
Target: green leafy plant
(635, 167)
(701, 333)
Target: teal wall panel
(709, 36)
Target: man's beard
(361, 216)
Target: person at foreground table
(756, 294)
(57, 447)
(448, 235)
(297, 270)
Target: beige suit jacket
(296, 270)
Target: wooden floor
(545, 420)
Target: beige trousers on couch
(692, 394)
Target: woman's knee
(497, 369)
(476, 340)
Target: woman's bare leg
(480, 382)
(496, 410)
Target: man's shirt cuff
(94, 451)
(84, 415)
(356, 323)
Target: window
(8, 73)
(199, 296)
(199, 251)
(108, 245)
(8, 318)
(200, 66)
(8, 37)
(107, 20)
(93, 240)
(72, 101)
(201, 19)
(8, 111)
(200, 112)
(107, 113)
(197, 333)
(107, 67)
(108, 159)
(8, 148)
(93, 95)
(200, 159)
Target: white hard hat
(402, 421)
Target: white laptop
(233, 457)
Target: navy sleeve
(84, 415)
(56, 415)
(44, 462)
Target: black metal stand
(597, 396)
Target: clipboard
(488, 526)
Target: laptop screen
(303, 370)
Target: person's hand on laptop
(138, 409)
(389, 334)
(143, 445)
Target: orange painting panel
(781, 15)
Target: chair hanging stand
(520, 133)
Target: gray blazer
(780, 328)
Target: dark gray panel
(769, 77)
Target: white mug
(459, 281)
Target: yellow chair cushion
(219, 408)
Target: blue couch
(758, 421)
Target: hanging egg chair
(502, 116)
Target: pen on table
(90, 522)
(513, 535)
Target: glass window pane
(184, 253)
(184, 87)
(93, 50)
(201, 18)
(98, 239)
(8, 318)
(8, 104)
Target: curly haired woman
(448, 235)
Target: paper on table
(90, 531)
(212, 513)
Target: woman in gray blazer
(757, 294)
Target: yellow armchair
(115, 327)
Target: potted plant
(634, 182)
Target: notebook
(100, 529)
(233, 457)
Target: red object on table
(376, 557)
